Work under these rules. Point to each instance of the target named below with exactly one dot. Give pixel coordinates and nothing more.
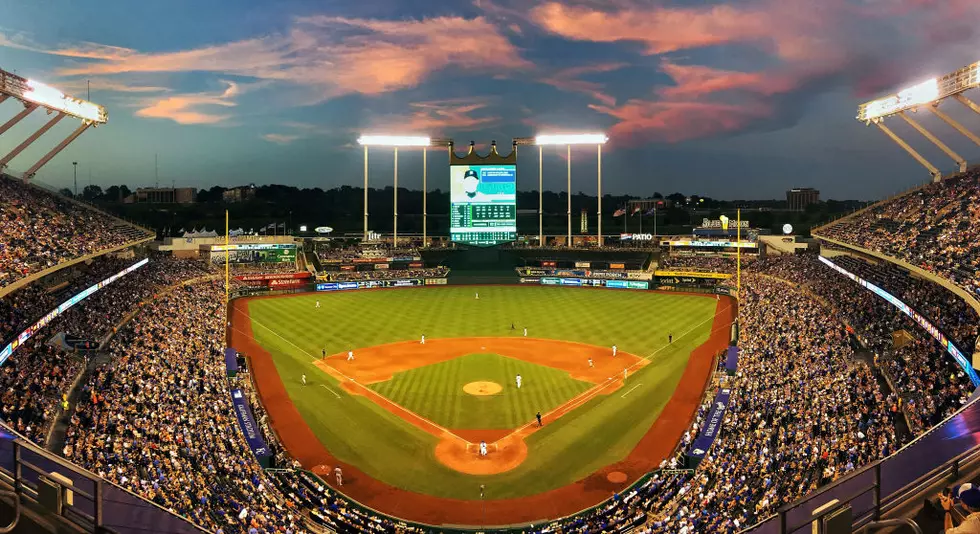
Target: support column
(17, 118)
(599, 189)
(365, 193)
(569, 212)
(911, 151)
(956, 126)
(54, 151)
(935, 140)
(425, 194)
(27, 142)
(394, 225)
(540, 198)
(967, 102)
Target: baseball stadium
(494, 361)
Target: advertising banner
(379, 266)
(271, 276)
(639, 276)
(570, 281)
(530, 280)
(549, 264)
(231, 361)
(583, 264)
(435, 281)
(712, 425)
(731, 360)
(550, 281)
(249, 427)
(692, 274)
(617, 265)
(636, 237)
(287, 283)
(415, 265)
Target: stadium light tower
(394, 141)
(927, 94)
(568, 140)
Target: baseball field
(405, 419)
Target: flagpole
(738, 253)
(227, 259)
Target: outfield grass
(601, 432)
(436, 391)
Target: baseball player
(303, 378)
(538, 416)
(323, 354)
(350, 355)
(477, 295)
(318, 304)
(423, 339)
(519, 380)
(483, 448)
(340, 475)
(591, 363)
(525, 331)
(625, 371)
(670, 337)
(614, 350)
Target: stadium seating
(936, 227)
(40, 230)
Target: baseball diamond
(405, 419)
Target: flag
(637, 209)
(619, 213)
(651, 211)
(282, 225)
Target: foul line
(330, 390)
(630, 391)
(589, 394)
(370, 391)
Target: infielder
(340, 475)
(423, 339)
(525, 331)
(519, 380)
(591, 363)
(350, 355)
(614, 350)
(483, 448)
(303, 378)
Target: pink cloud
(280, 139)
(436, 117)
(187, 108)
(643, 121)
(570, 80)
(334, 55)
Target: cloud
(570, 80)
(280, 139)
(643, 121)
(78, 87)
(334, 55)
(435, 117)
(187, 108)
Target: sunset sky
(731, 99)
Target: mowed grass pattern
(359, 432)
(436, 391)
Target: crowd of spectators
(928, 380)
(39, 229)
(720, 264)
(936, 227)
(278, 267)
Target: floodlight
(571, 139)
(48, 96)
(393, 140)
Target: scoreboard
(483, 201)
(255, 253)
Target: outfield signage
(636, 237)
(712, 425)
(271, 276)
(373, 284)
(583, 264)
(692, 274)
(435, 281)
(710, 244)
(249, 428)
(586, 282)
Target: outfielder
(350, 355)
(318, 304)
(614, 350)
(519, 380)
(477, 295)
(323, 354)
(483, 448)
(625, 371)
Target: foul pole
(738, 253)
(227, 260)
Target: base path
(657, 443)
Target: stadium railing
(49, 485)
(882, 487)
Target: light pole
(540, 199)
(569, 140)
(391, 141)
(483, 503)
(394, 218)
(74, 166)
(425, 196)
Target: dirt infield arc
(455, 449)
(655, 445)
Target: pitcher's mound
(483, 388)
(616, 477)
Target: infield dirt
(656, 444)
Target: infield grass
(602, 431)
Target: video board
(255, 253)
(483, 204)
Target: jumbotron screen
(483, 204)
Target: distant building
(799, 198)
(163, 195)
(239, 194)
